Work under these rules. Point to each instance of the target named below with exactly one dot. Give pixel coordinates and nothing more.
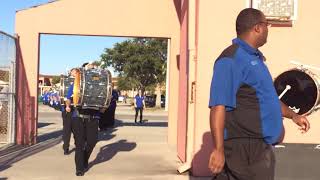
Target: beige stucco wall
(217, 29)
(299, 43)
(138, 18)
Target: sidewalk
(127, 151)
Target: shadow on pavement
(16, 153)
(119, 123)
(106, 135)
(45, 137)
(107, 152)
(12, 157)
(41, 125)
(293, 162)
(297, 161)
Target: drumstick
(76, 86)
(288, 87)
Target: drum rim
(315, 79)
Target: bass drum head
(303, 93)
(94, 88)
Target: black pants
(137, 110)
(248, 159)
(67, 129)
(107, 118)
(86, 137)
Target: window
(278, 12)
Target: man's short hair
(246, 19)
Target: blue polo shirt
(242, 83)
(68, 96)
(70, 92)
(139, 101)
(46, 97)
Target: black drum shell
(304, 92)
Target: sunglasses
(266, 23)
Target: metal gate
(7, 88)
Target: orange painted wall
(217, 29)
(139, 18)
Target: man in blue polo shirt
(246, 114)
(139, 104)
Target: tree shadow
(107, 152)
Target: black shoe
(79, 173)
(66, 152)
(86, 166)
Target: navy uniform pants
(247, 159)
(136, 115)
(107, 118)
(86, 136)
(67, 129)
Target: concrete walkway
(128, 151)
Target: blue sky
(57, 52)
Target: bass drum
(303, 96)
(95, 88)
(65, 82)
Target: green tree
(140, 62)
(125, 83)
(56, 80)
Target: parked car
(150, 101)
(121, 99)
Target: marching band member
(84, 123)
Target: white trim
(168, 75)
(295, 10)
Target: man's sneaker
(79, 173)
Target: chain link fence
(7, 87)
